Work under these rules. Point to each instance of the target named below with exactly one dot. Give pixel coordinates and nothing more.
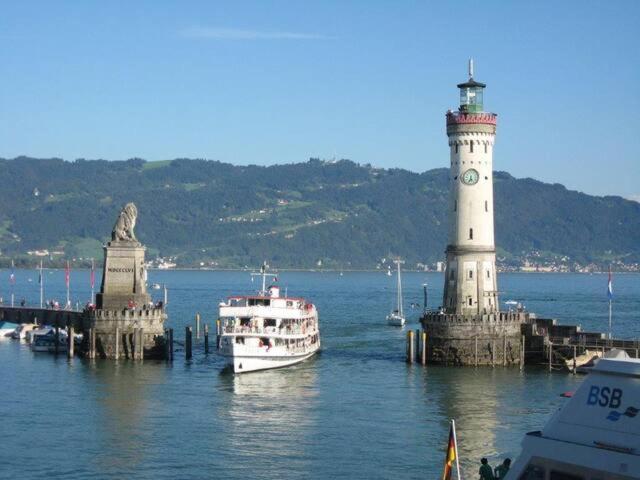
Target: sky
(269, 82)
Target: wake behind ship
(266, 330)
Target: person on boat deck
(501, 470)
(486, 472)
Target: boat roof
(604, 411)
(264, 297)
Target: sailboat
(396, 317)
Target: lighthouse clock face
(470, 177)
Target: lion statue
(126, 222)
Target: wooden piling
(206, 339)
(410, 346)
(166, 344)
(574, 359)
(70, 341)
(476, 350)
(188, 334)
(141, 343)
(92, 343)
(57, 339)
(504, 351)
(493, 353)
(550, 353)
(417, 345)
(171, 344)
(522, 354)
(117, 344)
(423, 359)
(197, 326)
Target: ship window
(245, 321)
(240, 340)
(269, 322)
(471, 146)
(532, 472)
(289, 303)
(471, 234)
(555, 475)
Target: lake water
(357, 410)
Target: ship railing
(295, 330)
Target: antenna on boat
(263, 273)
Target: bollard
(70, 341)
(410, 346)
(187, 342)
(57, 339)
(218, 333)
(117, 346)
(171, 344)
(417, 345)
(197, 326)
(206, 339)
(423, 359)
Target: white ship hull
(243, 363)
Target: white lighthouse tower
(470, 287)
(470, 329)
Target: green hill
(345, 214)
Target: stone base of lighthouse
(489, 339)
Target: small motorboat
(7, 329)
(156, 286)
(20, 333)
(47, 343)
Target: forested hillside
(344, 214)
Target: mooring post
(92, 340)
(166, 344)
(574, 359)
(417, 345)
(476, 350)
(636, 353)
(550, 353)
(117, 344)
(410, 346)
(141, 351)
(218, 333)
(70, 341)
(424, 348)
(504, 350)
(171, 344)
(197, 325)
(57, 339)
(522, 354)
(206, 339)
(188, 332)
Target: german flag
(451, 455)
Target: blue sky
(278, 82)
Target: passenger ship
(595, 436)
(267, 330)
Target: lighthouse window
(470, 301)
(486, 206)
(456, 148)
(471, 234)
(485, 148)
(471, 146)
(470, 274)
(488, 273)
(455, 205)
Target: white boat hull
(395, 320)
(253, 364)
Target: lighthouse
(469, 328)
(470, 287)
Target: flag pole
(93, 282)
(41, 286)
(67, 275)
(610, 295)
(455, 443)
(12, 280)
